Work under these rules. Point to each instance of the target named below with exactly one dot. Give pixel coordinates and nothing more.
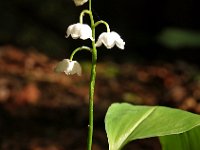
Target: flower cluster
(84, 31)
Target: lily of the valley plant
(84, 31)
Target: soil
(42, 110)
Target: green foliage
(185, 141)
(125, 122)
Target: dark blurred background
(41, 110)
(167, 29)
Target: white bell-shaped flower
(69, 67)
(79, 30)
(80, 2)
(109, 39)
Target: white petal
(114, 35)
(120, 43)
(100, 39)
(75, 32)
(80, 2)
(85, 32)
(98, 43)
(70, 67)
(77, 68)
(118, 40)
(61, 66)
(69, 30)
(73, 68)
(109, 41)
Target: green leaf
(185, 141)
(125, 122)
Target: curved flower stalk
(80, 2)
(69, 67)
(110, 39)
(79, 30)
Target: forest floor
(42, 110)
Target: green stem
(83, 13)
(92, 82)
(90, 5)
(91, 97)
(102, 22)
(92, 77)
(80, 49)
